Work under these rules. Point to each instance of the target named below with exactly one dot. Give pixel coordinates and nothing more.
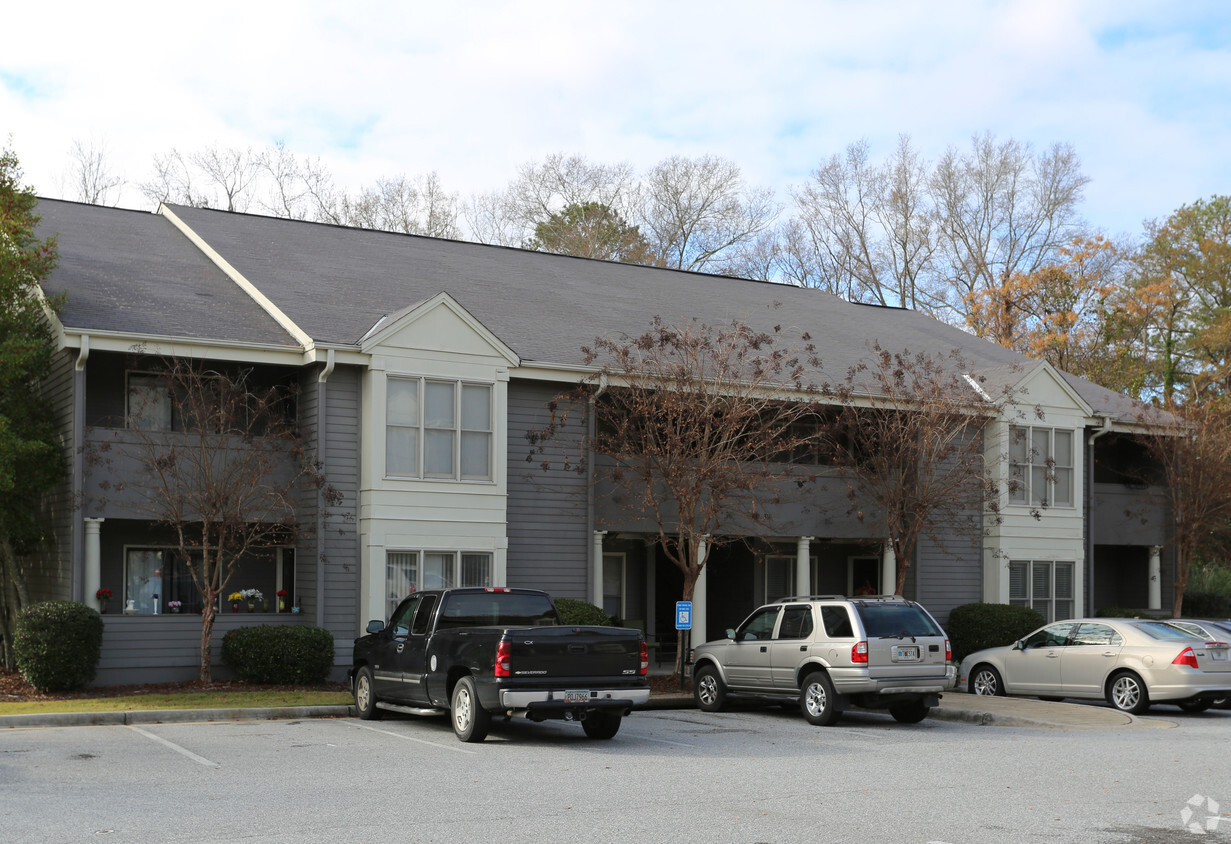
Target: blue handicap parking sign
(683, 615)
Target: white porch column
(698, 601)
(803, 566)
(92, 561)
(596, 568)
(889, 569)
(1156, 577)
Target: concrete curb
(171, 716)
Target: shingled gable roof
(132, 273)
(336, 283)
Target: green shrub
(279, 654)
(1206, 605)
(582, 613)
(1210, 577)
(56, 645)
(973, 627)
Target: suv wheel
(709, 690)
(816, 700)
(909, 713)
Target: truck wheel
(365, 697)
(816, 700)
(601, 725)
(909, 713)
(470, 720)
(709, 690)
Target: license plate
(577, 696)
(905, 654)
(1218, 653)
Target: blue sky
(471, 91)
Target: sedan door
(1093, 652)
(748, 660)
(1034, 668)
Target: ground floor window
(158, 580)
(1044, 585)
(775, 578)
(407, 572)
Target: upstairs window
(438, 429)
(1040, 466)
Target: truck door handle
(764, 649)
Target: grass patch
(184, 700)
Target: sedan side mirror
(375, 625)
(1019, 645)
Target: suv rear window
(893, 619)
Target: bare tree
(1190, 476)
(687, 432)
(908, 439)
(698, 213)
(90, 175)
(226, 481)
(286, 193)
(402, 204)
(1003, 210)
(211, 177)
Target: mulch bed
(13, 687)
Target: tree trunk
(690, 583)
(14, 595)
(207, 632)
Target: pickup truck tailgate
(565, 652)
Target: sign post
(683, 623)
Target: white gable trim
(392, 324)
(1046, 370)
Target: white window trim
(1047, 464)
(1050, 615)
(458, 430)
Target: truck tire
(602, 725)
(365, 695)
(816, 700)
(470, 720)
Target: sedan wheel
(985, 681)
(1127, 693)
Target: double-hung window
(1040, 466)
(438, 429)
(406, 572)
(1043, 585)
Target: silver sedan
(1132, 663)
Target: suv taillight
(948, 652)
(859, 653)
(1186, 657)
(645, 659)
(502, 659)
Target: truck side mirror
(375, 625)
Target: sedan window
(1055, 636)
(1097, 634)
(1163, 630)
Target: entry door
(1035, 669)
(749, 659)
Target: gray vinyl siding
(548, 545)
(49, 571)
(340, 537)
(167, 648)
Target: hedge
(573, 611)
(56, 645)
(269, 653)
(973, 627)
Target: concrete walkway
(971, 709)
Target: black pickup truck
(482, 652)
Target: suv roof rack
(811, 598)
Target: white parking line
(412, 738)
(182, 750)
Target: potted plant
(174, 606)
(281, 600)
(252, 596)
(235, 598)
(103, 595)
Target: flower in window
(103, 593)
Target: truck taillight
(645, 659)
(1186, 657)
(948, 652)
(496, 589)
(502, 659)
(859, 653)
